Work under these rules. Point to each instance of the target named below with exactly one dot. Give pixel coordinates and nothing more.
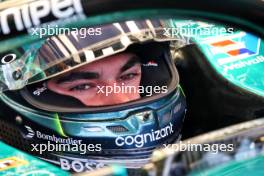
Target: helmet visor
(74, 48)
(141, 72)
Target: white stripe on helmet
(71, 47)
(61, 47)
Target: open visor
(74, 48)
(142, 72)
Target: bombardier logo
(52, 138)
(31, 15)
(141, 139)
(31, 133)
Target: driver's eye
(81, 87)
(128, 76)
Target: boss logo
(30, 15)
(80, 166)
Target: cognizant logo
(141, 139)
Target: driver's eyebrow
(130, 63)
(77, 76)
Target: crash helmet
(93, 96)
